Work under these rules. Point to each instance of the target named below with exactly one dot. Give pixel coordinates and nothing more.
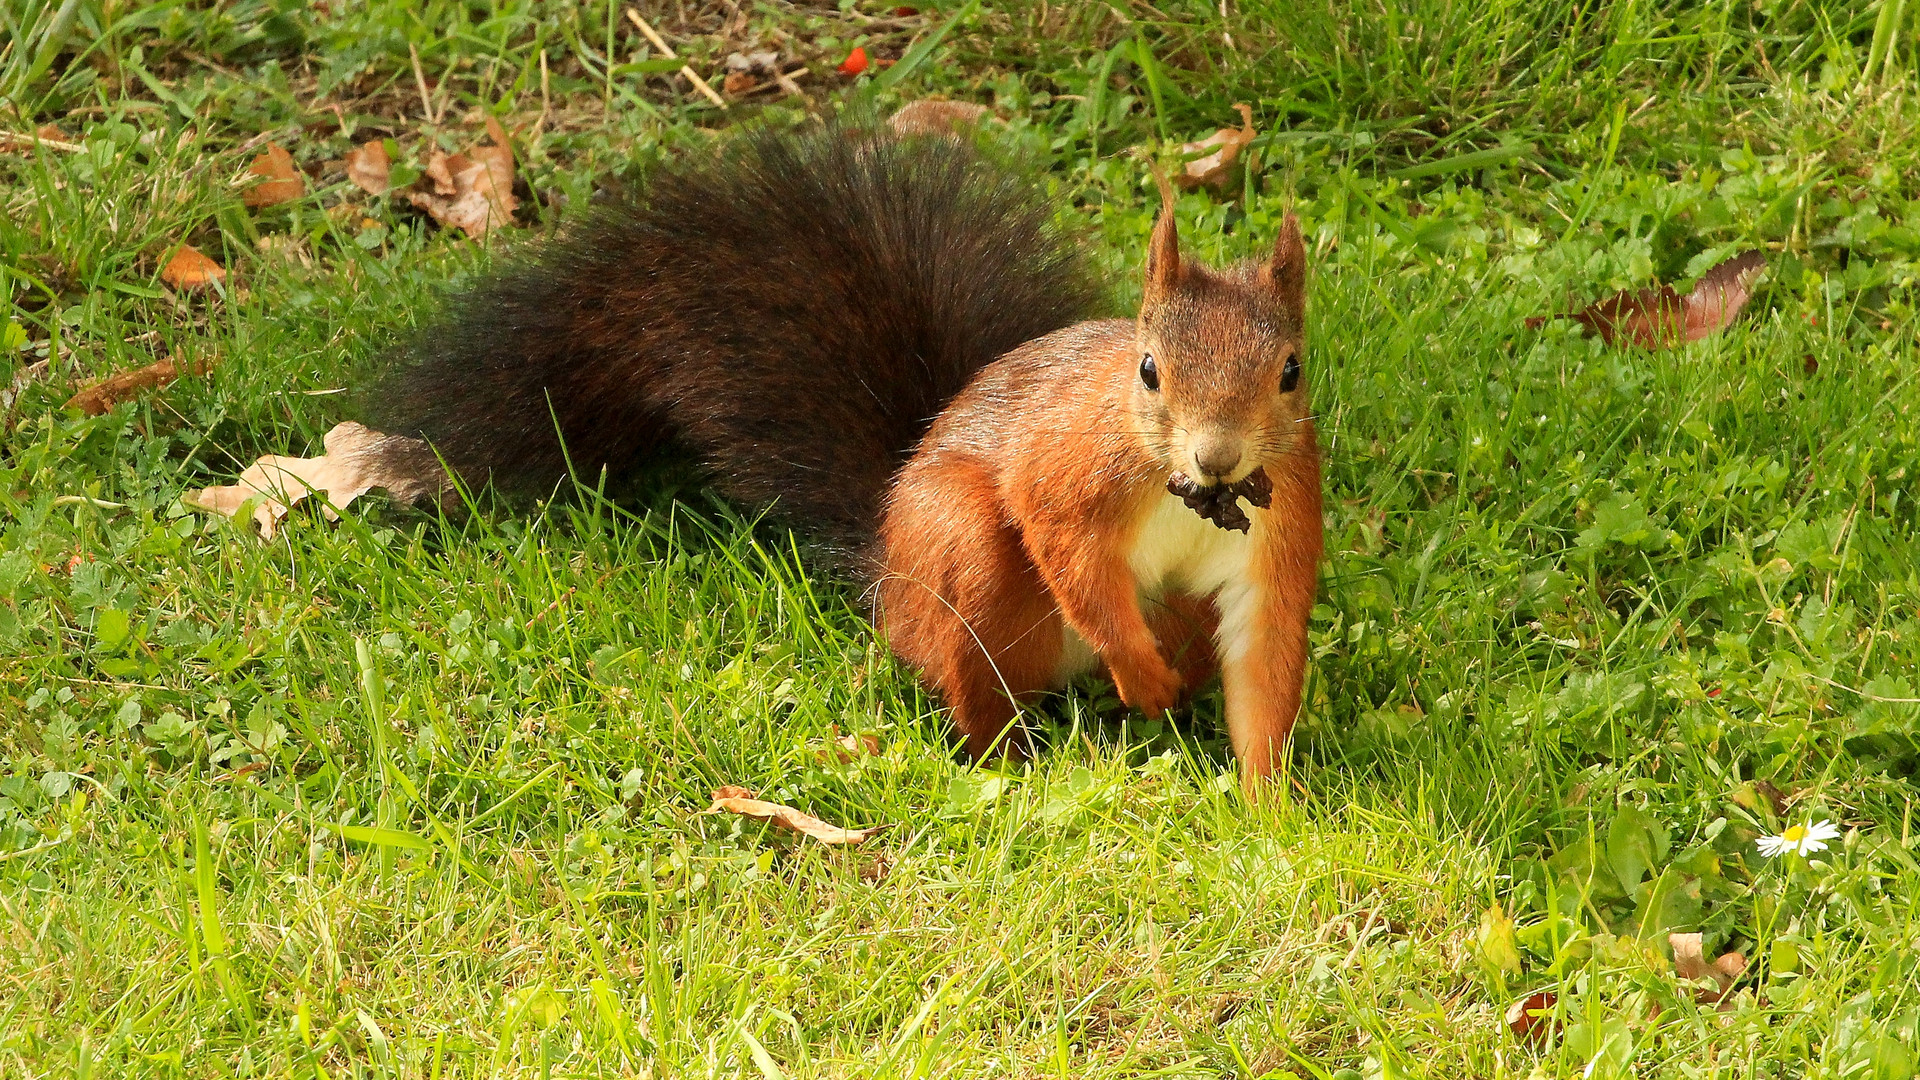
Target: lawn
(416, 794)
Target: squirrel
(886, 340)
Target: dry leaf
(1721, 292)
(102, 395)
(23, 378)
(291, 250)
(738, 800)
(756, 63)
(188, 269)
(358, 459)
(472, 191)
(47, 137)
(1531, 1018)
(368, 166)
(1689, 962)
(845, 748)
(750, 73)
(1216, 168)
(1659, 318)
(497, 133)
(283, 181)
(936, 117)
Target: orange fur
(1037, 504)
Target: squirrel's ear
(1286, 275)
(1163, 251)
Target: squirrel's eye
(1290, 375)
(1149, 374)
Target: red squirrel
(885, 340)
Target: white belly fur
(1180, 551)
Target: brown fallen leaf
(368, 166)
(845, 748)
(738, 800)
(1531, 1018)
(497, 132)
(1690, 963)
(101, 395)
(47, 137)
(737, 83)
(358, 459)
(472, 192)
(936, 117)
(188, 269)
(282, 181)
(1659, 318)
(1216, 168)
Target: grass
(419, 797)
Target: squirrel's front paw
(1151, 688)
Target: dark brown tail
(792, 311)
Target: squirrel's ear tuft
(1163, 251)
(1286, 275)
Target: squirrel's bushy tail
(792, 311)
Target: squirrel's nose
(1216, 456)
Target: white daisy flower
(1800, 839)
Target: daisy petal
(1771, 846)
(1815, 837)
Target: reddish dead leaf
(738, 800)
(1809, 365)
(368, 166)
(845, 748)
(1216, 168)
(1721, 292)
(856, 61)
(496, 132)
(472, 192)
(281, 183)
(1690, 963)
(1659, 318)
(358, 459)
(738, 82)
(188, 269)
(51, 133)
(1531, 1018)
(903, 11)
(99, 396)
(936, 117)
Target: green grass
(420, 797)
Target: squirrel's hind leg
(961, 602)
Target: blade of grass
(1478, 159)
(917, 55)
